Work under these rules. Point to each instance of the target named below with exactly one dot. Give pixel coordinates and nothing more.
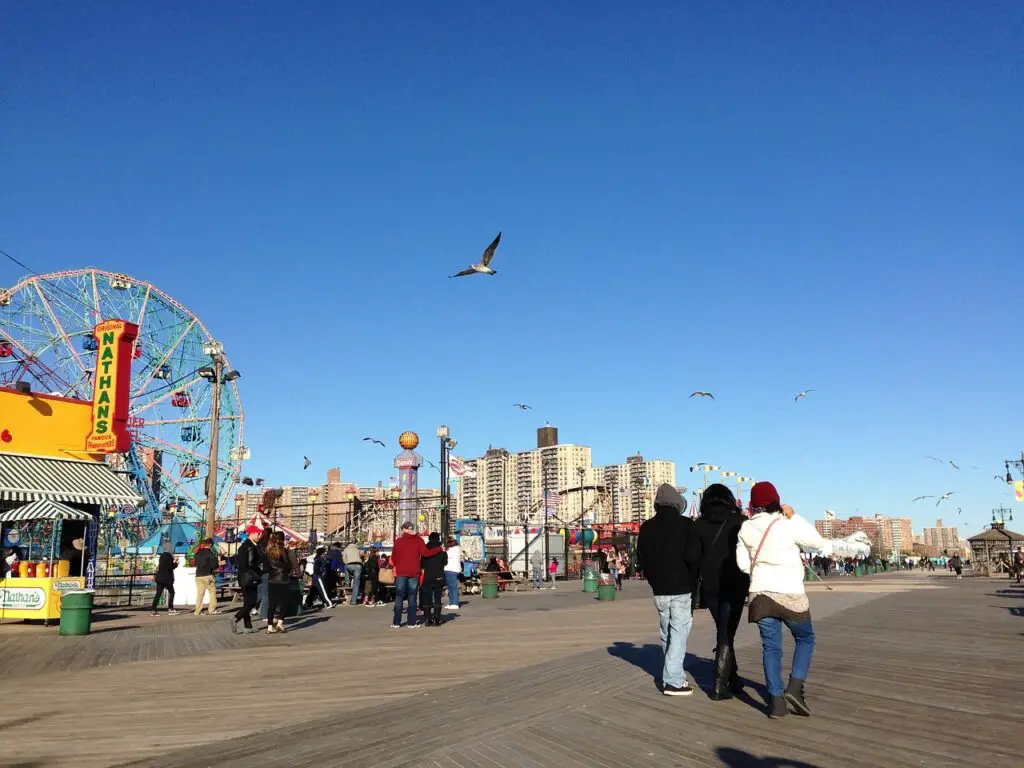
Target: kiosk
(34, 586)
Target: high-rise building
(887, 534)
(504, 486)
(945, 539)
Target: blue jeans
(353, 572)
(537, 580)
(771, 644)
(406, 588)
(674, 620)
(451, 578)
(263, 594)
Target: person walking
(723, 586)
(164, 579)
(353, 570)
(957, 566)
(433, 580)
(669, 554)
(768, 549)
(206, 565)
(553, 571)
(249, 566)
(537, 566)
(452, 571)
(317, 590)
(371, 577)
(406, 556)
(282, 567)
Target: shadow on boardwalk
(737, 758)
(649, 658)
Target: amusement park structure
(185, 412)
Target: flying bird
(1000, 478)
(483, 267)
(943, 497)
(953, 464)
(922, 497)
(374, 440)
(433, 465)
(803, 394)
(933, 458)
(702, 393)
(959, 510)
(306, 462)
(247, 481)
(523, 406)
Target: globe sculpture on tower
(408, 464)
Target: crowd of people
(719, 562)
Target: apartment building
(887, 534)
(941, 537)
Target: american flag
(551, 502)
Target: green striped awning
(35, 478)
(43, 510)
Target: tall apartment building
(886, 533)
(945, 539)
(501, 485)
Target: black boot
(723, 669)
(777, 707)
(794, 696)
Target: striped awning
(44, 510)
(34, 478)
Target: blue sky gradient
(752, 199)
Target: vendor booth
(34, 584)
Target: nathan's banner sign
(113, 378)
(22, 598)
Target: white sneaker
(453, 607)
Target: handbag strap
(763, 537)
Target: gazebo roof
(997, 535)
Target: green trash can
(76, 612)
(858, 571)
(488, 585)
(606, 590)
(589, 581)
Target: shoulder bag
(764, 536)
(695, 601)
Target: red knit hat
(763, 494)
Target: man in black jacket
(249, 564)
(669, 552)
(206, 565)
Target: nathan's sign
(113, 379)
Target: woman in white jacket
(769, 550)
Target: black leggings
(727, 612)
(160, 589)
(277, 600)
(250, 598)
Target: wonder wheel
(46, 325)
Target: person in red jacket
(405, 559)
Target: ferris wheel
(46, 340)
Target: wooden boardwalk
(910, 670)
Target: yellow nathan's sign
(111, 391)
(1018, 491)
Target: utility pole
(544, 501)
(211, 477)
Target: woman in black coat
(164, 579)
(723, 586)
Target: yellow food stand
(34, 586)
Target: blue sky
(752, 199)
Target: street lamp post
(705, 468)
(447, 445)
(740, 479)
(216, 375)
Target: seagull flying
(933, 458)
(943, 497)
(433, 465)
(803, 394)
(484, 265)
(374, 440)
(702, 393)
(999, 478)
(922, 497)
(306, 462)
(953, 464)
(959, 510)
(523, 406)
